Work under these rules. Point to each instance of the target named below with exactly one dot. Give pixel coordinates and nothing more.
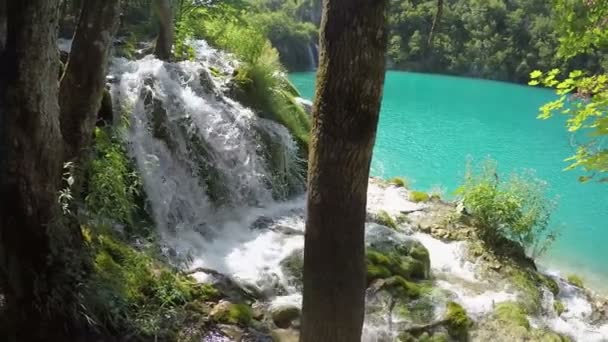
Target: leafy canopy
(583, 96)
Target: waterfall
(313, 56)
(203, 157)
(219, 181)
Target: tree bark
(164, 41)
(345, 116)
(83, 82)
(30, 164)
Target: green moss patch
(419, 196)
(457, 321)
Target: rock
(282, 316)
(388, 254)
(262, 222)
(230, 313)
(285, 335)
(232, 331)
(292, 267)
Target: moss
(550, 283)
(575, 280)
(457, 321)
(419, 196)
(400, 288)
(234, 314)
(399, 182)
(559, 307)
(407, 265)
(512, 313)
(385, 219)
(530, 294)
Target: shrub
(575, 280)
(419, 196)
(516, 208)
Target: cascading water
(217, 178)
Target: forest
(162, 178)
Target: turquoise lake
(430, 125)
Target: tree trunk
(435, 26)
(345, 115)
(83, 82)
(30, 164)
(164, 41)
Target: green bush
(419, 196)
(515, 208)
(575, 280)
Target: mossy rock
(399, 182)
(576, 280)
(457, 322)
(385, 219)
(424, 337)
(282, 316)
(419, 196)
(230, 313)
(559, 307)
(401, 288)
(380, 266)
(512, 313)
(292, 267)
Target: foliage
(113, 187)
(583, 93)
(516, 208)
(457, 321)
(497, 39)
(260, 80)
(419, 196)
(399, 182)
(132, 293)
(575, 280)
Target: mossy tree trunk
(164, 41)
(345, 116)
(83, 82)
(42, 263)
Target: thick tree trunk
(30, 165)
(345, 115)
(164, 41)
(83, 82)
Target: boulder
(284, 315)
(285, 335)
(292, 267)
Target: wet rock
(292, 267)
(262, 222)
(285, 335)
(229, 313)
(284, 315)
